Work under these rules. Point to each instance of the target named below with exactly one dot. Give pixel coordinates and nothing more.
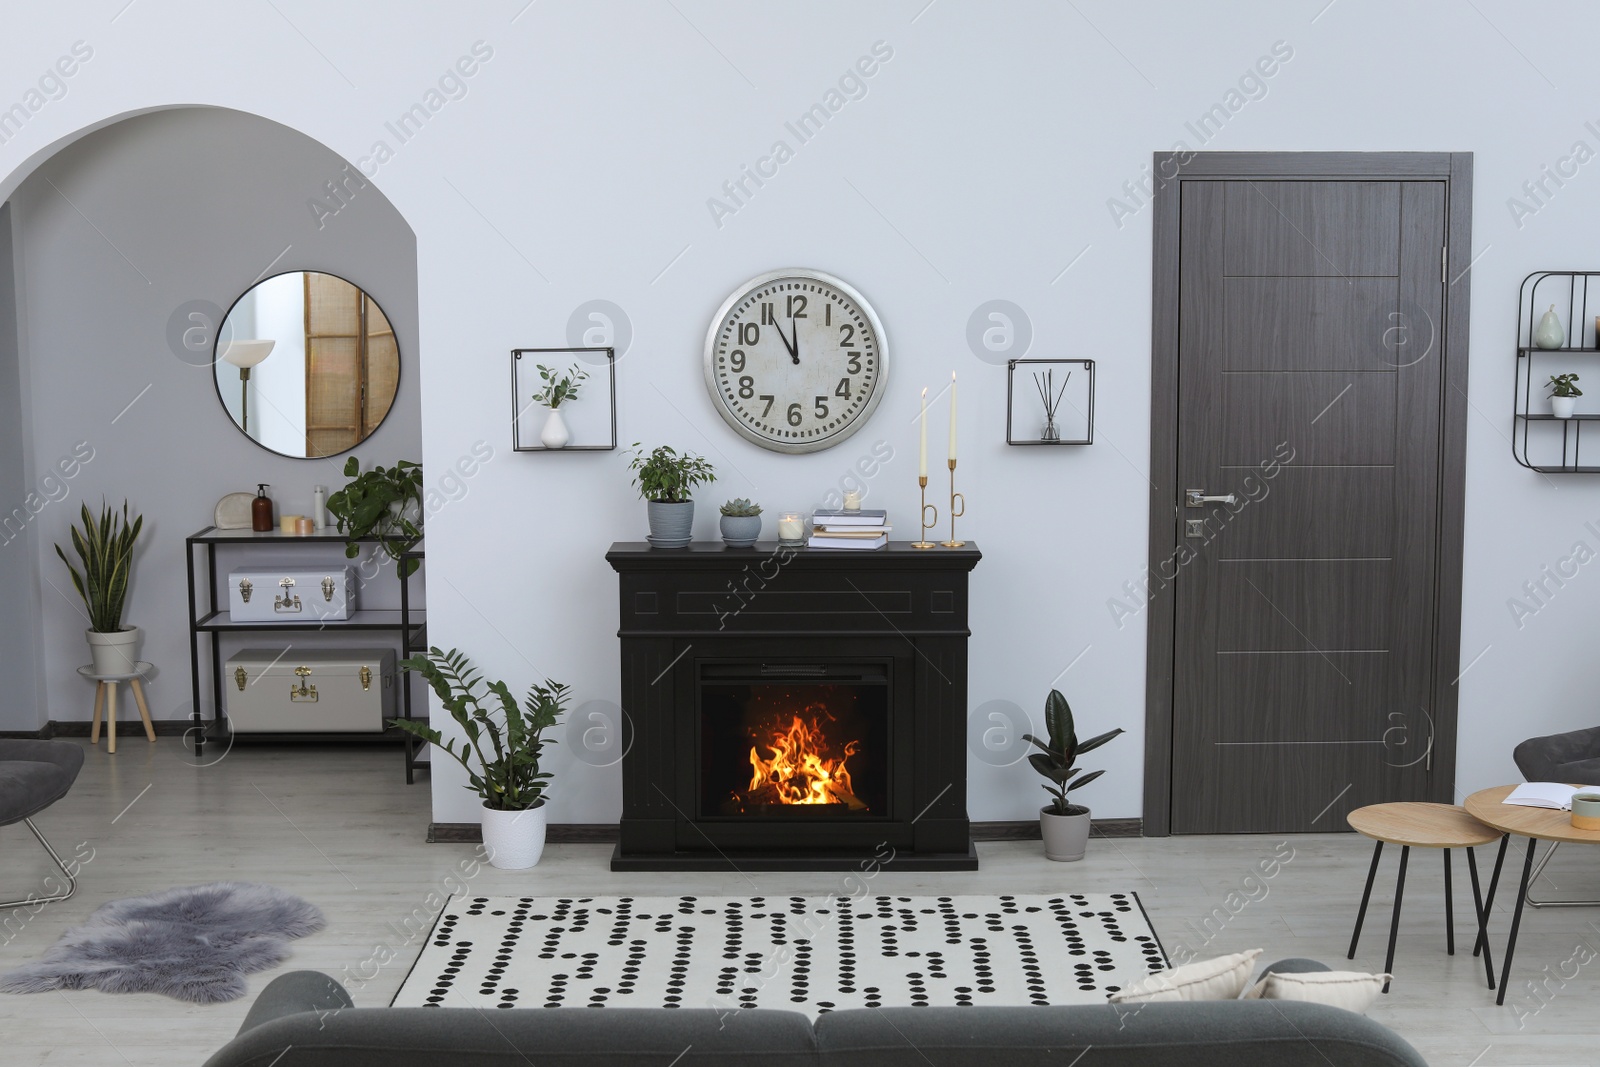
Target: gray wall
(119, 237)
(21, 709)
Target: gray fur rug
(193, 943)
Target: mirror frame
(216, 357)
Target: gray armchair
(33, 776)
(1573, 758)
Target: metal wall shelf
(1544, 450)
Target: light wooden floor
(340, 827)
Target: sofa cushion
(1350, 990)
(1222, 978)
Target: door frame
(1170, 170)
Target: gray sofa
(305, 1019)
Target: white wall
(576, 163)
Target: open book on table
(1553, 795)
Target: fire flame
(799, 770)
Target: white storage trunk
(310, 690)
(291, 594)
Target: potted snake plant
(105, 551)
(504, 744)
(1063, 824)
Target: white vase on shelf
(555, 433)
(1549, 333)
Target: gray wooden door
(1309, 314)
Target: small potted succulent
(741, 523)
(1563, 395)
(501, 753)
(559, 387)
(666, 478)
(1063, 825)
(105, 550)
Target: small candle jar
(791, 529)
(305, 527)
(852, 501)
(289, 523)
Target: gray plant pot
(670, 522)
(740, 531)
(1065, 836)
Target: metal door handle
(1196, 498)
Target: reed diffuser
(1045, 384)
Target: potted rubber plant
(384, 502)
(1063, 824)
(559, 387)
(504, 744)
(740, 523)
(665, 479)
(1563, 395)
(105, 551)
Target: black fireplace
(793, 709)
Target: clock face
(795, 361)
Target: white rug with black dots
(809, 954)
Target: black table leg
(1516, 921)
(1488, 900)
(1394, 924)
(1483, 918)
(1366, 895)
(1449, 910)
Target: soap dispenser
(261, 510)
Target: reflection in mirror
(307, 364)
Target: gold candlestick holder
(958, 508)
(927, 524)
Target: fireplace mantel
(686, 612)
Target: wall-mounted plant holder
(1052, 404)
(589, 420)
(1542, 438)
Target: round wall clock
(796, 360)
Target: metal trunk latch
(327, 589)
(366, 677)
(303, 693)
(245, 588)
(239, 678)
(286, 602)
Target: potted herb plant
(559, 387)
(1563, 395)
(501, 753)
(105, 550)
(665, 479)
(1063, 825)
(386, 503)
(741, 523)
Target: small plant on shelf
(741, 523)
(1063, 824)
(1563, 395)
(741, 509)
(666, 478)
(559, 386)
(386, 503)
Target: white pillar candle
(922, 465)
(952, 416)
(791, 528)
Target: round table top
(1546, 824)
(140, 669)
(1421, 825)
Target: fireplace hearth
(793, 709)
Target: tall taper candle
(922, 466)
(952, 416)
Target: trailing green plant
(1561, 385)
(741, 509)
(504, 741)
(559, 386)
(105, 548)
(666, 477)
(374, 505)
(1056, 761)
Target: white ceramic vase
(555, 433)
(1549, 333)
(114, 653)
(1066, 837)
(1561, 406)
(514, 840)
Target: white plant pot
(1561, 406)
(114, 653)
(514, 840)
(555, 433)
(1066, 837)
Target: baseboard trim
(79, 728)
(602, 833)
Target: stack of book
(861, 530)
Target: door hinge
(1444, 259)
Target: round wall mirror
(307, 364)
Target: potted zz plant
(559, 387)
(501, 753)
(105, 549)
(386, 503)
(665, 479)
(741, 523)
(1563, 395)
(1063, 825)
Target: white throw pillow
(1350, 990)
(1223, 978)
